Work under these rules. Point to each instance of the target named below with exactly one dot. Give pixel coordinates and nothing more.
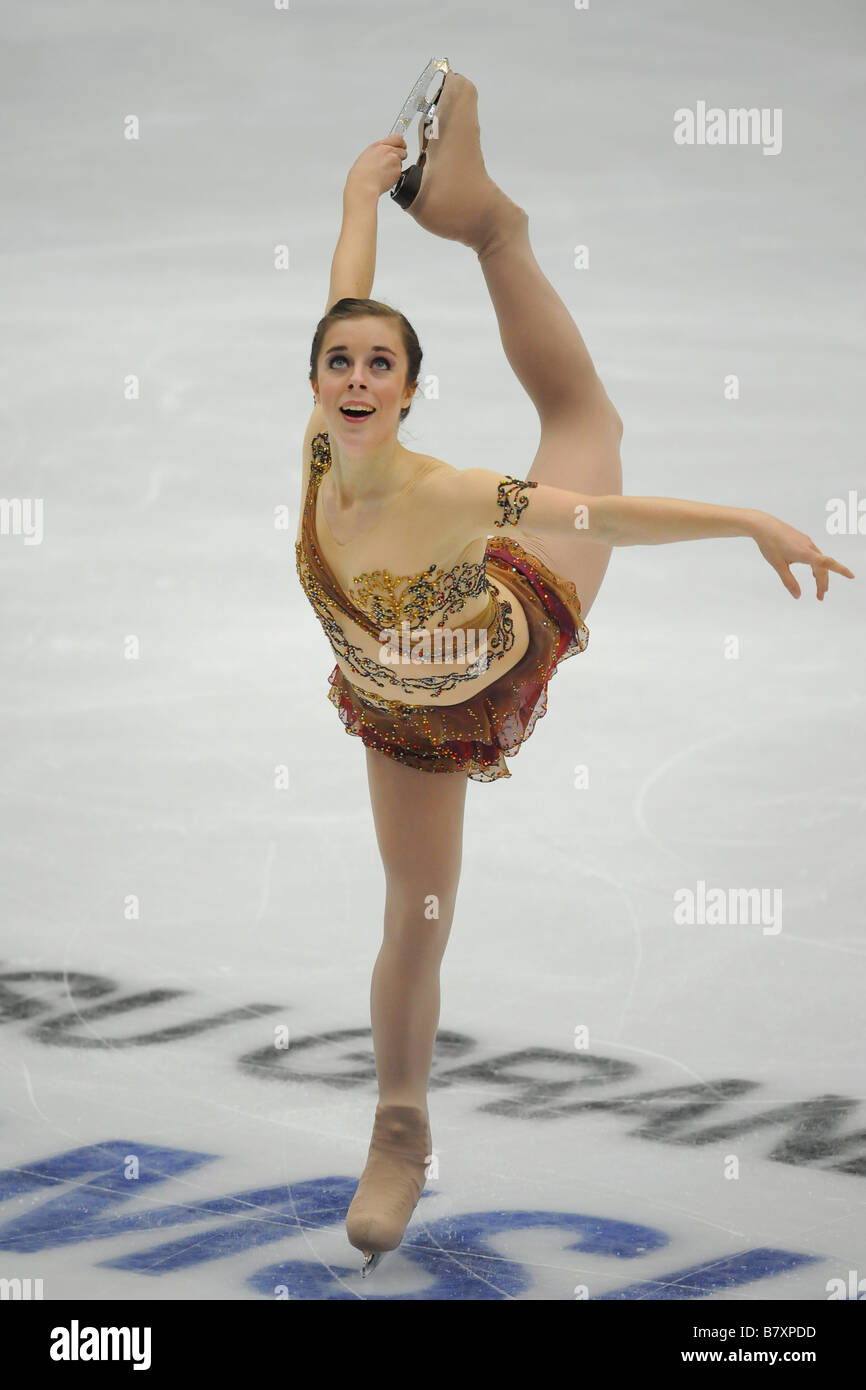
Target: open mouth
(357, 412)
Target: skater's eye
(341, 357)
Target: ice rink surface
(623, 1104)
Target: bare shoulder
(464, 482)
(438, 475)
(459, 500)
(442, 486)
(464, 488)
(485, 501)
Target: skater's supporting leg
(419, 828)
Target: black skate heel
(418, 101)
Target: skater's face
(363, 363)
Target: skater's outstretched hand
(782, 546)
(379, 167)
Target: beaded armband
(508, 497)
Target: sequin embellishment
(509, 499)
(414, 598)
(500, 636)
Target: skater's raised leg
(458, 199)
(581, 430)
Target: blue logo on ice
(85, 1189)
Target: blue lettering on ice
(454, 1252)
(260, 1214)
(729, 1272)
(74, 1215)
(462, 1265)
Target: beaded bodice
(417, 598)
(379, 600)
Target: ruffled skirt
(478, 734)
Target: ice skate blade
(371, 1262)
(418, 102)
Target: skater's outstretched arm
(509, 506)
(375, 171)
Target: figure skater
(502, 570)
